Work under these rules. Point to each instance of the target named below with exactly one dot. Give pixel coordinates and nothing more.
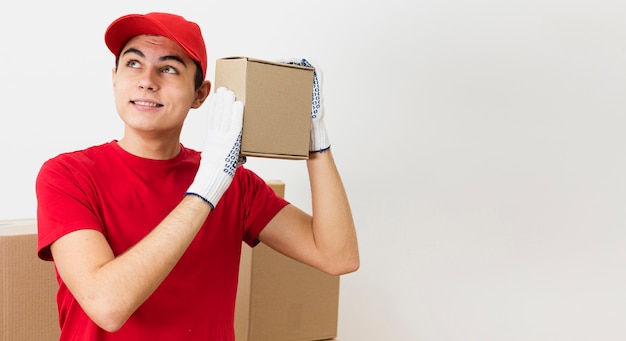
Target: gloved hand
(220, 156)
(319, 138)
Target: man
(145, 233)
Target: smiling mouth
(147, 104)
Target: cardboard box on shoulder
(277, 105)
(279, 298)
(27, 286)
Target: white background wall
(481, 144)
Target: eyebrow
(162, 58)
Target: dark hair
(199, 79)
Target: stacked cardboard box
(27, 286)
(281, 299)
(277, 298)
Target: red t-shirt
(124, 196)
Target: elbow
(109, 317)
(344, 267)
(354, 266)
(110, 325)
(350, 267)
(109, 322)
(342, 262)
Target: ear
(201, 94)
(113, 76)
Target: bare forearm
(155, 256)
(120, 285)
(333, 225)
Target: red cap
(185, 33)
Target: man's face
(154, 85)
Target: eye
(133, 64)
(169, 69)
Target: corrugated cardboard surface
(277, 105)
(281, 299)
(27, 286)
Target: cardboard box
(277, 105)
(279, 298)
(28, 286)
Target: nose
(146, 86)
(147, 81)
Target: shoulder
(72, 162)
(81, 156)
(250, 189)
(247, 176)
(189, 155)
(71, 171)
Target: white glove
(220, 156)
(319, 138)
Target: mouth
(147, 104)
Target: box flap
(256, 60)
(18, 227)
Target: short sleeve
(65, 202)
